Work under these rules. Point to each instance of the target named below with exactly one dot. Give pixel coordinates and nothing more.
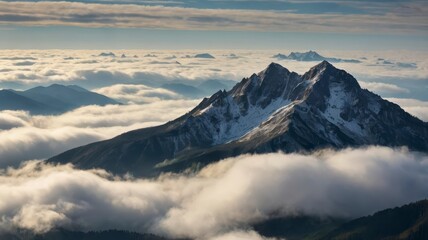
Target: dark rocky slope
(275, 110)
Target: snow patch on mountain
(230, 124)
(335, 106)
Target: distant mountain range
(274, 110)
(107, 54)
(54, 99)
(204, 55)
(201, 55)
(312, 56)
(406, 222)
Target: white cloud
(13, 119)
(52, 68)
(26, 137)
(383, 87)
(19, 144)
(118, 115)
(128, 93)
(220, 202)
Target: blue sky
(214, 24)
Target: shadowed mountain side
(11, 100)
(62, 234)
(406, 222)
(274, 110)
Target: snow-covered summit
(259, 98)
(274, 110)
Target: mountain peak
(326, 76)
(322, 68)
(324, 65)
(273, 111)
(272, 70)
(274, 65)
(56, 85)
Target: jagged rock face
(275, 110)
(269, 85)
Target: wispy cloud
(383, 87)
(137, 93)
(161, 17)
(413, 106)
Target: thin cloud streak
(414, 20)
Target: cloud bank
(223, 200)
(86, 68)
(26, 137)
(129, 93)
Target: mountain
(307, 56)
(299, 227)
(274, 110)
(63, 234)
(280, 56)
(71, 96)
(204, 55)
(406, 222)
(107, 54)
(53, 99)
(311, 56)
(11, 100)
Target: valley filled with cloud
(223, 200)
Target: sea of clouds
(126, 75)
(224, 199)
(25, 68)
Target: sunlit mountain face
(216, 120)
